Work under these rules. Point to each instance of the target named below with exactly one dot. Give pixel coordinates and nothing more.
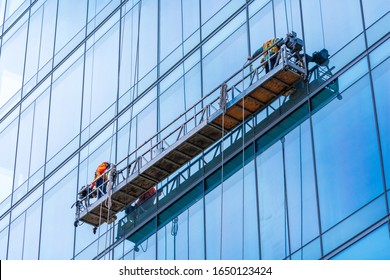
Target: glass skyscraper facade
(87, 81)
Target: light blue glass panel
(24, 146)
(12, 6)
(71, 19)
(214, 13)
(347, 160)
(301, 193)
(16, 235)
(65, 111)
(2, 11)
(191, 17)
(261, 28)
(182, 237)
(192, 85)
(147, 250)
(57, 235)
(373, 10)
(12, 64)
(272, 207)
(380, 54)
(232, 217)
(251, 219)
(3, 243)
(375, 246)
(101, 76)
(381, 83)
(378, 30)
(148, 37)
(196, 231)
(225, 60)
(7, 154)
(213, 224)
(128, 51)
(32, 231)
(172, 103)
(38, 148)
(330, 24)
(33, 46)
(147, 119)
(170, 26)
(48, 32)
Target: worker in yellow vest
(271, 48)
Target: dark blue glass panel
(301, 193)
(354, 224)
(381, 83)
(347, 156)
(272, 206)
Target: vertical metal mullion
(273, 17)
(285, 196)
(382, 166)
(257, 200)
(312, 143)
(81, 119)
(248, 28)
(47, 131)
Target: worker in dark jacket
(271, 48)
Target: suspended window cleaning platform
(246, 92)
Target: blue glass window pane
(227, 56)
(272, 207)
(57, 235)
(65, 108)
(251, 219)
(301, 192)
(24, 146)
(372, 12)
(148, 37)
(32, 231)
(147, 250)
(232, 217)
(196, 231)
(348, 168)
(381, 83)
(375, 246)
(71, 19)
(182, 237)
(3, 243)
(12, 64)
(7, 154)
(213, 204)
(259, 34)
(101, 76)
(354, 224)
(16, 235)
(170, 26)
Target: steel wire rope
(322, 24)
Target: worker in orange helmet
(99, 183)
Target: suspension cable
(285, 11)
(322, 24)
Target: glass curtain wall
(83, 82)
